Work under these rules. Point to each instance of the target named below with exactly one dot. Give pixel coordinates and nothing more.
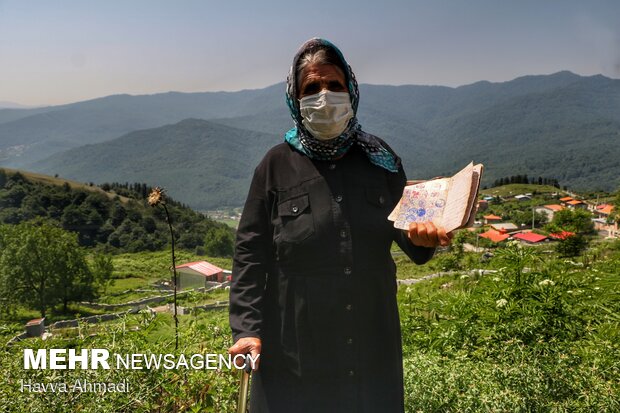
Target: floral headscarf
(304, 142)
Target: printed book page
(447, 202)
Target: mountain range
(204, 146)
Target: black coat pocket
(296, 217)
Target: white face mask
(326, 114)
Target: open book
(447, 202)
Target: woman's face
(315, 78)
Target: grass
(542, 340)
(143, 270)
(233, 223)
(517, 189)
(552, 347)
(51, 180)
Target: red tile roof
(574, 202)
(530, 237)
(554, 207)
(492, 217)
(562, 235)
(202, 267)
(566, 198)
(494, 236)
(606, 209)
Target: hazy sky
(54, 52)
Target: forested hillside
(205, 164)
(116, 220)
(561, 126)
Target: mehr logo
(70, 359)
(57, 360)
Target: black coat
(313, 277)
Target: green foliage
(102, 268)
(42, 265)
(101, 220)
(578, 221)
(150, 390)
(219, 242)
(571, 246)
(538, 335)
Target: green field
(518, 189)
(49, 180)
(539, 335)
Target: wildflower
(501, 303)
(156, 196)
(446, 285)
(464, 277)
(496, 279)
(515, 244)
(546, 282)
(597, 288)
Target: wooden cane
(244, 386)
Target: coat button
(351, 373)
(349, 341)
(332, 166)
(343, 233)
(348, 307)
(347, 270)
(381, 199)
(295, 209)
(338, 198)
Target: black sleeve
(418, 254)
(251, 262)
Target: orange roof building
(197, 274)
(491, 218)
(554, 207)
(495, 236)
(605, 209)
(566, 199)
(562, 235)
(529, 237)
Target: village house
(489, 219)
(495, 236)
(530, 237)
(507, 227)
(603, 221)
(576, 204)
(561, 235)
(549, 210)
(199, 274)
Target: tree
(219, 242)
(42, 265)
(102, 269)
(571, 246)
(578, 221)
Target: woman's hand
(426, 234)
(247, 345)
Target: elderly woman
(314, 286)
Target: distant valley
(203, 147)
